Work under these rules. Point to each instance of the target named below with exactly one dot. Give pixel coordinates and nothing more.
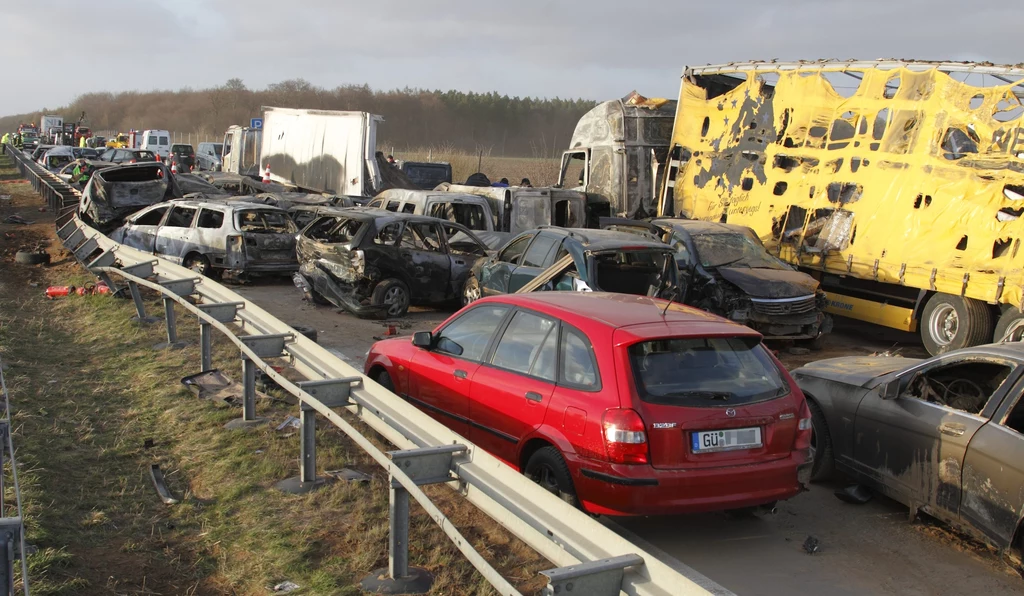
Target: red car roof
(623, 310)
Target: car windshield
(632, 271)
(265, 220)
(217, 149)
(720, 371)
(145, 156)
(737, 250)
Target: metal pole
(248, 389)
(307, 455)
(398, 537)
(172, 328)
(140, 308)
(206, 345)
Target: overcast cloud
(595, 49)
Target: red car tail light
(625, 436)
(804, 429)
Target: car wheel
(547, 468)
(393, 294)
(821, 445)
(383, 379)
(199, 264)
(953, 322)
(1010, 322)
(470, 291)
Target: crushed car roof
(598, 240)
(696, 226)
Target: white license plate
(726, 440)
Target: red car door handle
(460, 374)
(952, 430)
(533, 396)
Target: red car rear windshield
(703, 372)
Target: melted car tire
(974, 323)
(547, 460)
(380, 294)
(824, 459)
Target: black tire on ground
(470, 291)
(306, 330)
(32, 257)
(1009, 318)
(393, 293)
(953, 322)
(821, 444)
(198, 263)
(384, 380)
(547, 468)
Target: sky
(592, 49)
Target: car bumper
(257, 267)
(624, 490)
(351, 297)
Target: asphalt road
(866, 549)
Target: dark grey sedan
(944, 436)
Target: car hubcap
(944, 325)
(1015, 332)
(396, 299)
(545, 477)
(472, 293)
(197, 266)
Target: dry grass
(87, 391)
(541, 171)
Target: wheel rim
(197, 266)
(396, 300)
(1015, 332)
(471, 293)
(944, 324)
(545, 477)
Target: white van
(157, 141)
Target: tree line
(413, 118)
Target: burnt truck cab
(472, 211)
(726, 270)
(376, 263)
(618, 153)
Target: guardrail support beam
(140, 307)
(172, 342)
(206, 346)
(593, 578)
(11, 529)
(248, 418)
(333, 393)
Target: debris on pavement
(98, 289)
(797, 351)
(285, 587)
(161, 485)
(5, 197)
(17, 219)
(856, 494)
(290, 421)
(215, 385)
(811, 545)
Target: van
(208, 156)
(157, 141)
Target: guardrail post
(140, 307)
(263, 346)
(430, 465)
(172, 342)
(222, 312)
(10, 551)
(333, 393)
(206, 346)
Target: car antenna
(668, 301)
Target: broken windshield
(265, 220)
(721, 371)
(734, 250)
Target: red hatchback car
(624, 405)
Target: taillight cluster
(804, 428)
(625, 436)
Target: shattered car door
(175, 235)
(140, 232)
(422, 252)
(993, 476)
(915, 445)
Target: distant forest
(413, 118)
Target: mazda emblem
(731, 413)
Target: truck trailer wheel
(953, 322)
(1012, 320)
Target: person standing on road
(3, 142)
(81, 143)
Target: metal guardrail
(592, 559)
(12, 529)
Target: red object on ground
(59, 291)
(86, 290)
(266, 175)
(611, 399)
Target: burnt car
(726, 270)
(373, 262)
(114, 193)
(944, 435)
(213, 236)
(553, 258)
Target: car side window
(392, 206)
(421, 236)
(376, 203)
(459, 243)
(180, 217)
(469, 335)
(525, 344)
(964, 386)
(513, 253)
(409, 208)
(210, 219)
(151, 218)
(1014, 419)
(682, 253)
(389, 234)
(537, 254)
(576, 356)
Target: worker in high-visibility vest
(81, 142)
(3, 142)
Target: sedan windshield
(265, 220)
(737, 250)
(705, 371)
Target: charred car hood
(770, 283)
(857, 371)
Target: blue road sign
(256, 123)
